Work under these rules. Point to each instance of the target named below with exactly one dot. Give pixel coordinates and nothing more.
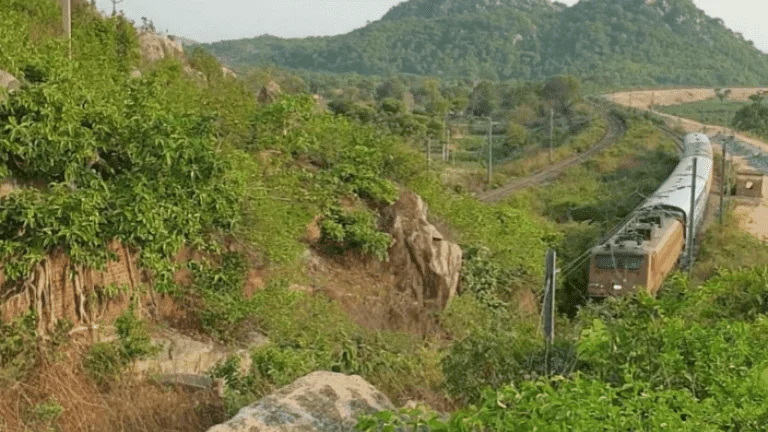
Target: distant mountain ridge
(622, 42)
(437, 8)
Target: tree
(434, 102)
(391, 88)
(484, 100)
(206, 63)
(722, 94)
(753, 117)
(561, 91)
(516, 137)
(293, 84)
(114, 6)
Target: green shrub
(355, 229)
(105, 361)
(44, 415)
(18, 347)
(224, 308)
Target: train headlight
(616, 287)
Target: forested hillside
(625, 42)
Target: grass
(468, 175)
(727, 247)
(540, 159)
(710, 111)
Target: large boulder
(156, 47)
(318, 402)
(424, 262)
(269, 93)
(8, 81)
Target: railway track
(675, 137)
(615, 130)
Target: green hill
(437, 8)
(625, 42)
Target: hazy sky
(213, 20)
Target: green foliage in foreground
(102, 156)
(694, 359)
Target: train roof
(672, 198)
(675, 193)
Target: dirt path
(753, 218)
(615, 130)
(643, 99)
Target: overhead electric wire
(574, 264)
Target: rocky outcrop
(270, 92)
(185, 361)
(8, 81)
(318, 402)
(227, 72)
(424, 262)
(156, 47)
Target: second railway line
(616, 128)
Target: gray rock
(8, 81)
(318, 402)
(156, 47)
(425, 263)
(183, 356)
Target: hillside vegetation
(613, 43)
(107, 147)
(158, 157)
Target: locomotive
(656, 238)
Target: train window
(626, 262)
(605, 262)
(632, 262)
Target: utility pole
(66, 17)
(551, 129)
(445, 140)
(490, 151)
(429, 153)
(548, 311)
(722, 180)
(448, 144)
(691, 218)
(114, 6)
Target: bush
(18, 347)
(105, 361)
(224, 308)
(356, 230)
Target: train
(656, 238)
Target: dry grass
(128, 406)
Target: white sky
(213, 20)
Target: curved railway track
(675, 137)
(615, 130)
